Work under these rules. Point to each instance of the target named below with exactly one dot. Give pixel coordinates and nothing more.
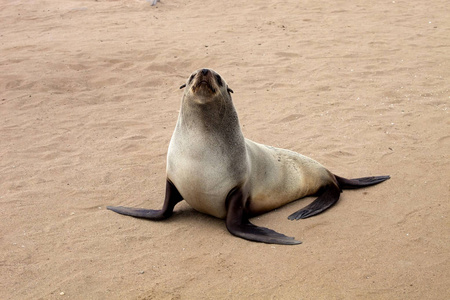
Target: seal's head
(204, 86)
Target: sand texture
(89, 100)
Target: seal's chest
(202, 177)
(205, 189)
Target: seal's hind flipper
(327, 199)
(357, 183)
(238, 224)
(172, 198)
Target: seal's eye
(219, 80)
(191, 78)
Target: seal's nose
(205, 72)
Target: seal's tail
(357, 183)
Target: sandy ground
(89, 100)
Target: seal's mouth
(203, 82)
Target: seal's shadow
(186, 214)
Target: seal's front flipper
(172, 198)
(327, 199)
(239, 225)
(138, 212)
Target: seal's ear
(229, 90)
(183, 86)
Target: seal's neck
(218, 119)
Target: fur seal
(219, 172)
